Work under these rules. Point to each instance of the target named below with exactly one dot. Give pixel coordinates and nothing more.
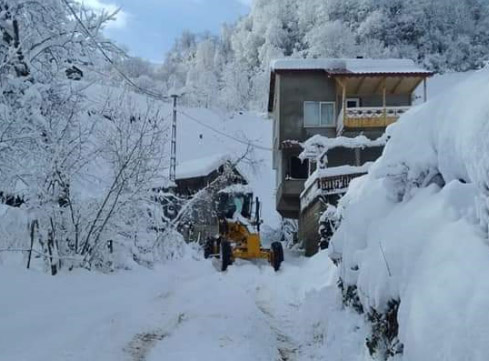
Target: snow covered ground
(185, 310)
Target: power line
(109, 59)
(236, 139)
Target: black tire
(277, 256)
(323, 245)
(226, 255)
(208, 248)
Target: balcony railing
(372, 117)
(337, 184)
(326, 186)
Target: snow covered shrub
(350, 296)
(383, 340)
(288, 230)
(171, 246)
(328, 223)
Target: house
(336, 99)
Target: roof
(347, 68)
(201, 167)
(351, 66)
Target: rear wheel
(226, 253)
(209, 248)
(277, 255)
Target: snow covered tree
(441, 35)
(81, 169)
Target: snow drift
(414, 229)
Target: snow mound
(446, 136)
(411, 228)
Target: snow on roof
(351, 66)
(201, 167)
(237, 188)
(317, 145)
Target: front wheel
(277, 255)
(226, 255)
(208, 248)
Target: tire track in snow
(139, 347)
(288, 348)
(142, 343)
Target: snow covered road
(185, 310)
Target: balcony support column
(384, 101)
(342, 83)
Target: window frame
(320, 125)
(357, 100)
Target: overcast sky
(148, 28)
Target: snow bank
(411, 230)
(446, 135)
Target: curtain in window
(311, 114)
(327, 114)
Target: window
(319, 114)
(352, 102)
(298, 169)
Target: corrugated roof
(351, 66)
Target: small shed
(216, 173)
(196, 174)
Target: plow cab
(239, 230)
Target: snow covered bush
(414, 231)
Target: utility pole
(173, 151)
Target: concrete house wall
(296, 87)
(292, 89)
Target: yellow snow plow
(235, 240)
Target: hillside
(231, 70)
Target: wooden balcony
(372, 117)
